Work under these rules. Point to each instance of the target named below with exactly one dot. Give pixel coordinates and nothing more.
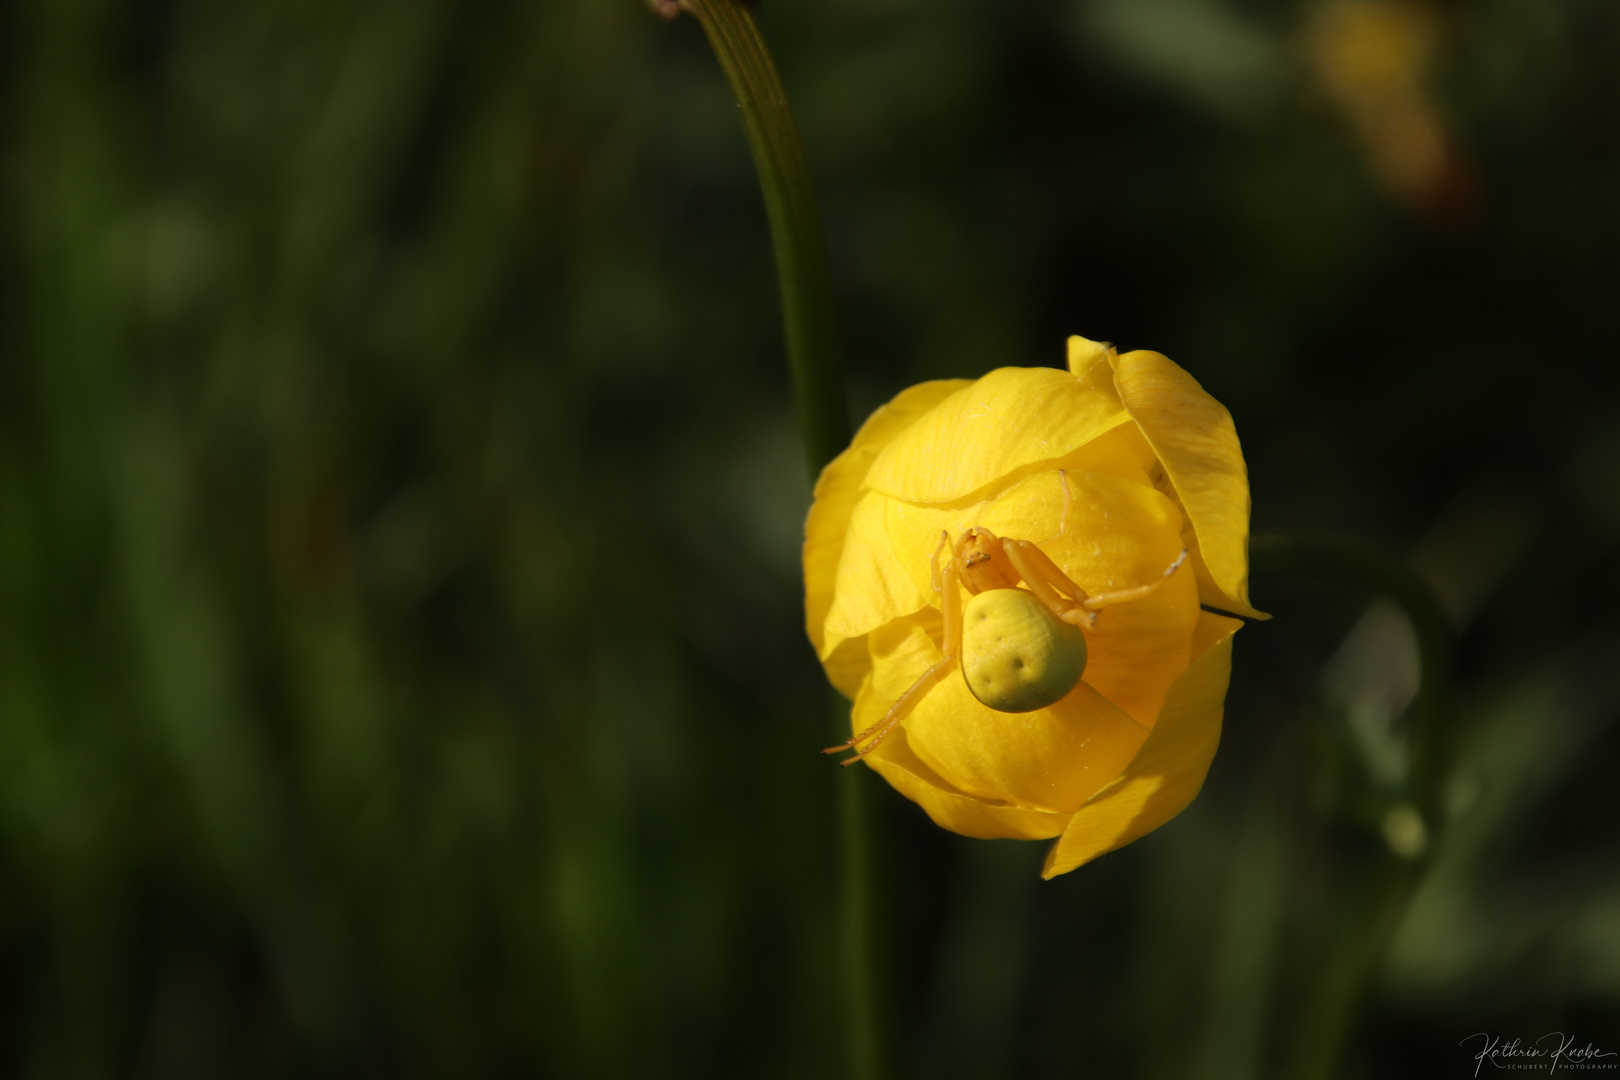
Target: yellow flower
(1113, 469)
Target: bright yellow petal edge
(1010, 420)
(1196, 441)
(1161, 780)
(1168, 772)
(837, 491)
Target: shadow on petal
(1193, 435)
(1052, 759)
(837, 491)
(1169, 771)
(956, 810)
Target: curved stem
(790, 202)
(1356, 957)
(809, 326)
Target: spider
(1020, 649)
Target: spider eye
(1016, 655)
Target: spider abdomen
(1016, 655)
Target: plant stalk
(802, 271)
(1357, 957)
(810, 329)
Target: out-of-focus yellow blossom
(1152, 466)
(1375, 59)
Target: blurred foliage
(400, 660)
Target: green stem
(857, 909)
(790, 203)
(1356, 958)
(809, 326)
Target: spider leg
(1119, 596)
(1046, 580)
(951, 604)
(897, 712)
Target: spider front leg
(1047, 580)
(1135, 592)
(948, 585)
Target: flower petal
(837, 491)
(950, 808)
(961, 813)
(847, 665)
(1088, 361)
(1038, 760)
(1051, 759)
(1169, 771)
(873, 584)
(905, 649)
(1193, 435)
(1010, 419)
(1120, 533)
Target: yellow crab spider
(1020, 649)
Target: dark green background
(401, 661)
